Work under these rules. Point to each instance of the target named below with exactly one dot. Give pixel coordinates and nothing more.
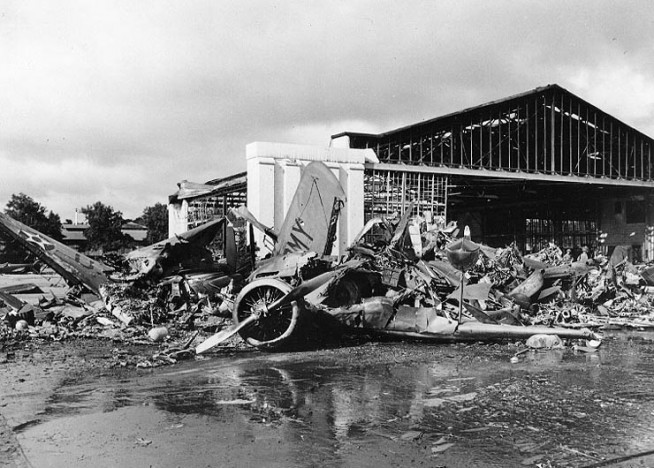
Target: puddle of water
(459, 406)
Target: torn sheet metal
(477, 292)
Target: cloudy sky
(117, 101)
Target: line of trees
(24, 209)
(105, 223)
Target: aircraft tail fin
(308, 225)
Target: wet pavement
(379, 404)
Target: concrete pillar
(351, 178)
(260, 196)
(177, 217)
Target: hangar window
(566, 233)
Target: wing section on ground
(307, 223)
(74, 267)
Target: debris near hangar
(401, 284)
(527, 170)
(538, 150)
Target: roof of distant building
(136, 231)
(133, 226)
(74, 227)
(72, 232)
(73, 236)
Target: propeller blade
(224, 335)
(302, 290)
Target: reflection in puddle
(552, 405)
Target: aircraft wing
(309, 218)
(74, 267)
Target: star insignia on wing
(37, 240)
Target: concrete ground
(375, 404)
(72, 403)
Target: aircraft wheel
(273, 328)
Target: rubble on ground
(400, 278)
(500, 285)
(152, 322)
(600, 294)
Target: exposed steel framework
(391, 192)
(546, 131)
(204, 209)
(230, 192)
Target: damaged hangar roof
(545, 133)
(229, 184)
(482, 108)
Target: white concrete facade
(273, 174)
(177, 218)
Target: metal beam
(499, 174)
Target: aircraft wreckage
(386, 285)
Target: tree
(155, 219)
(104, 227)
(23, 208)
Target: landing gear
(273, 328)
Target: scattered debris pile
(77, 315)
(404, 279)
(165, 293)
(601, 292)
(407, 281)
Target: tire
(273, 329)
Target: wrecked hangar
(540, 166)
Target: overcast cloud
(117, 101)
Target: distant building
(73, 234)
(136, 231)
